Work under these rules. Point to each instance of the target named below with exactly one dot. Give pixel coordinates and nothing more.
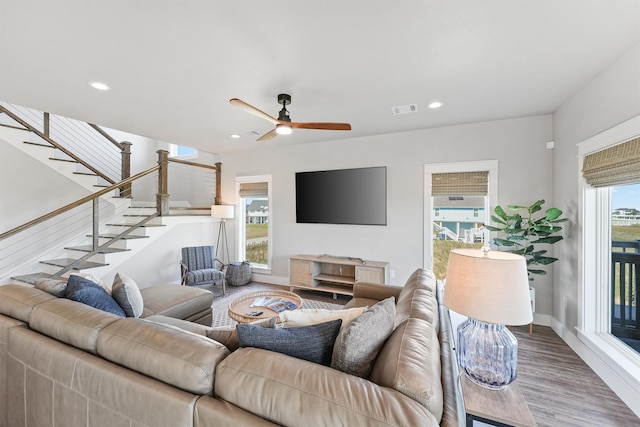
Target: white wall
(26, 185)
(611, 98)
(524, 176)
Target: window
(457, 199)
(254, 232)
(603, 182)
(182, 151)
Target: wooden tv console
(335, 274)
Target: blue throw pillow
(85, 291)
(313, 343)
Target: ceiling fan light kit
(283, 124)
(282, 129)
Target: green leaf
(490, 228)
(538, 253)
(545, 260)
(516, 207)
(502, 242)
(553, 213)
(498, 220)
(540, 272)
(536, 206)
(500, 212)
(550, 239)
(560, 220)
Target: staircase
(125, 224)
(63, 240)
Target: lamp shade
(222, 211)
(491, 287)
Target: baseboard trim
(623, 383)
(270, 280)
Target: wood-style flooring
(560, 389)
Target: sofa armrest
(298, 392)
(375, 291)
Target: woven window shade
(254, 189)
(617, 165)
(460, 184)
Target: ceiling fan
(283, 124)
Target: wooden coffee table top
(241, 306)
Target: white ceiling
(173, 65)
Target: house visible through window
(255, 223)
(458, 200)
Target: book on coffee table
(276, 304)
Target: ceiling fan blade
(267, 136)
(253, 110)
(321, 125)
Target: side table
(505, 407)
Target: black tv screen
(345, 196)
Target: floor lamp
(222, 212)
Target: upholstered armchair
(199, 266)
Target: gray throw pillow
(55, 287)
(357, 345)
(87, 292)
(313, 343)
(127, 295)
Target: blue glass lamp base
(487, 353)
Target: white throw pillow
(313, 316)
(127, 295)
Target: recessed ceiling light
(99, 85)
(435, 104)
(234, 136)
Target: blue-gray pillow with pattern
(313, 343)
(85, 291)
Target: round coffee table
(240, 307)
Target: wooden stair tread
(63, 160)
(133, 225)
(111, 236)
(38, 144)
(64, 262)
(31, 278)
(89, 248)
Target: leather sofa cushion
(71, 322)
(226, 335)
(176, 301)
(418, 299)
(259, 381)
(167, 353)
(409, 362)
(18, 301)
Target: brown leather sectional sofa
(64, 363)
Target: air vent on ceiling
(253, 133)
(404, 109)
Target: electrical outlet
(392, 273)
(565, 302)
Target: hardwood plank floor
(560, 389)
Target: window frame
(241, 229)
(472, 166)
(594, 264)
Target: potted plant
(521, 232)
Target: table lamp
(222, 212)
(492, 289)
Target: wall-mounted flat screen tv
(344, 196)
